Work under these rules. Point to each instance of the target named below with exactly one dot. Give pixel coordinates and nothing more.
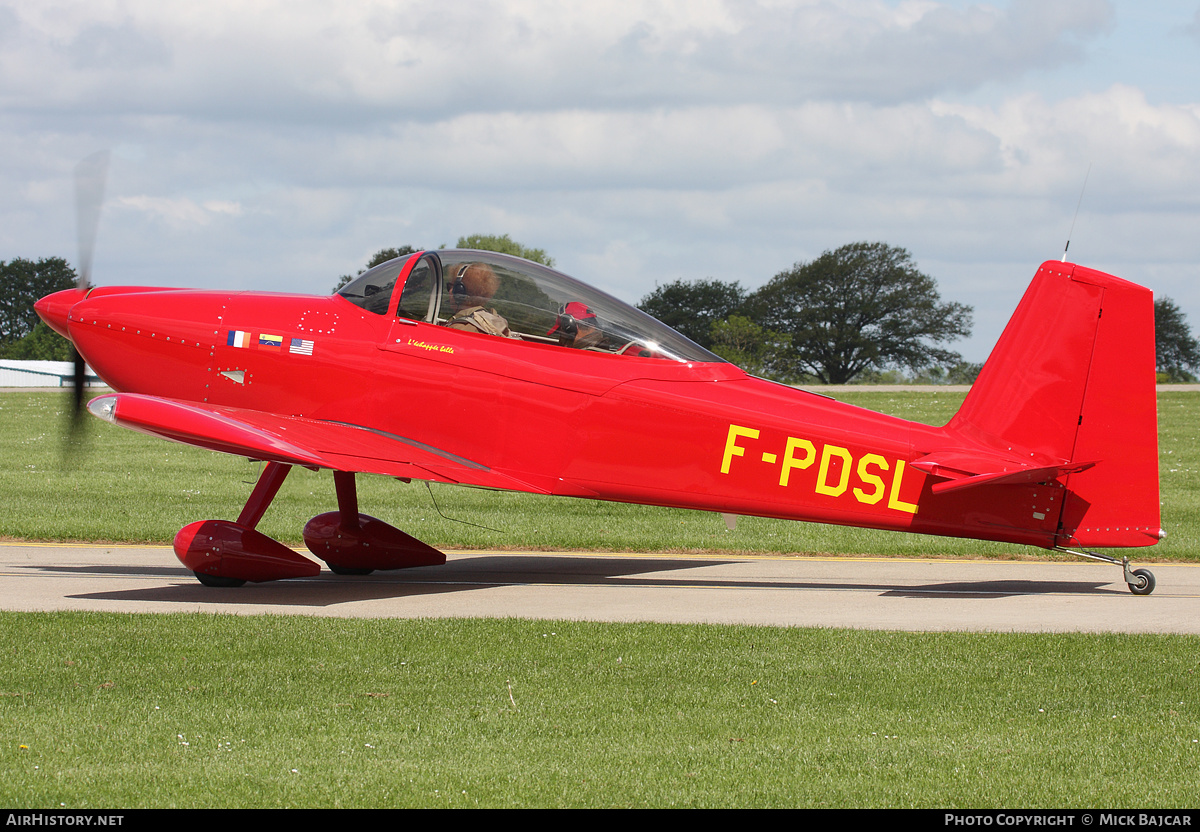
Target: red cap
(577, 310)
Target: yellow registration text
(868, 479)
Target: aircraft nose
(53, 309)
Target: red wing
(296, 440)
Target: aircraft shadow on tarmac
(489, 571)
(1004, 589)
(457, 575)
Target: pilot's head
(474, 285)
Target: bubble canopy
(537, 303)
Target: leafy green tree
(964, 372)
(692, 307)
(863, 306)
(22, 282)
(41, 344)
(504, 245)
(381, 256)
(386, 254)
(1176, 352)
(742, 342)
(483, 242)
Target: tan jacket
(478, 319)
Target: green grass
(214, 710)
(130, 487)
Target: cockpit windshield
(372, 290)
(509, 297)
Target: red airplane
(553, 387)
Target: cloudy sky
(277, 145)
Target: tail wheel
(1144, 584)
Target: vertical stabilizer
(1072, 381)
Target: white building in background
(41, 374)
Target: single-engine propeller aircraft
(478, 369)
(558, 388)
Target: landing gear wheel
(1145, 584)
(347, 570)
(217, 581)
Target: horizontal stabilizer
(959, 464)
(1022, 476)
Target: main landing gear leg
(227, 554)
(357, 544)
(349, 520)
(1140, 581)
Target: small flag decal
(238, 338)
(270, 342)
(300, 346)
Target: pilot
(577, 326)
(473, 286)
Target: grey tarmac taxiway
(868, 593)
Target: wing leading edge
(296, 440)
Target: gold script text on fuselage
(425, 345)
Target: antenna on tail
(1080, 202)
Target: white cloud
(1144, 152)
(178, 212)
(313, 62)
(278, 144)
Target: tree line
(850, 314)
(23, 335)
(862, 312)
